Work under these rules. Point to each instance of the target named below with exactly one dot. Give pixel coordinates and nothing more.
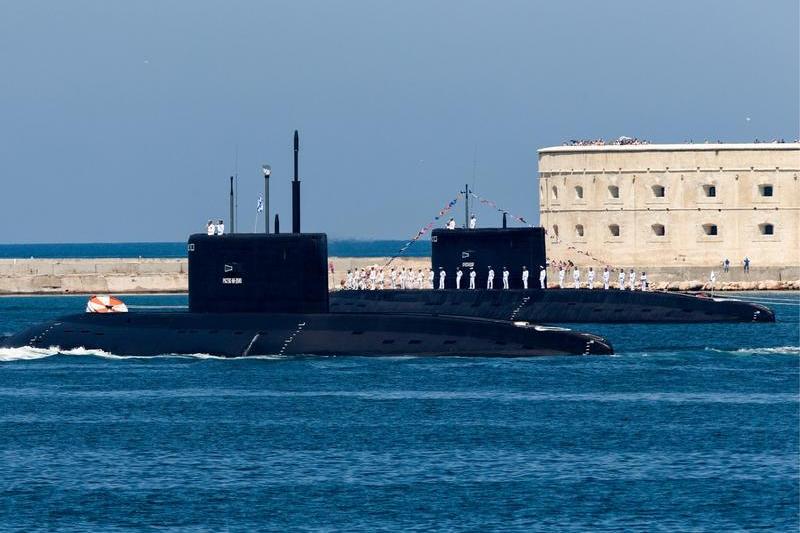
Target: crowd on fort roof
(621, 141)
(626, 141)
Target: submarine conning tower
(496, 247)
(254, 272)
(260, 272)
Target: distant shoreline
(65, 276)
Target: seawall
(131, 276)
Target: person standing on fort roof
(746, 264)
(726, 265)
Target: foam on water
(778, 350)
(27, 353)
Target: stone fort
(673, 205)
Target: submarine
(479, 249)
(267, 294)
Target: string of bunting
(494, 205)
(426, 228)
(484, 201)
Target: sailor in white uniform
(576, 277)
(472, 276)
(430, 279)
(606, 278)
(210, 229)
(220, 229)
(393, 278)
(621, 279)
(442, 275)
(542, 277)
(421, 280)
(458, 278)
(525, 275)
(561, 275)
(381, 279)
(712, 279)
(373, 276)
(451, 224)
(643, 280)
(402, 278)
(590, 278)
(490, 279)
(632, 280)
(473, 222)
(348, 282)
(505, 278)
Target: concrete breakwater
(130, 276)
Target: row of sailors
(362, 279)
(373, 279)
(605, 277)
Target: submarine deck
(554, 305)
(245, 334)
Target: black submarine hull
(324, 334)
(554, 305)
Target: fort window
(658, 230)
(578, 192)
(555, 192)
(658, 191)
(613, 191)
(710, 229)
(766, 229)
(765, 190)
(614, 230)
(579, 230)
(710, 191)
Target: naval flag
(260, 204)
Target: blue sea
(336, 248)
(687, 428)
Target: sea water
(173, 250)
(688, 428)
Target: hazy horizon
(123, 121)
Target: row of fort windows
(659, 230)
(659, 191)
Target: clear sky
(121, 120)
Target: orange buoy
(105, 304)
